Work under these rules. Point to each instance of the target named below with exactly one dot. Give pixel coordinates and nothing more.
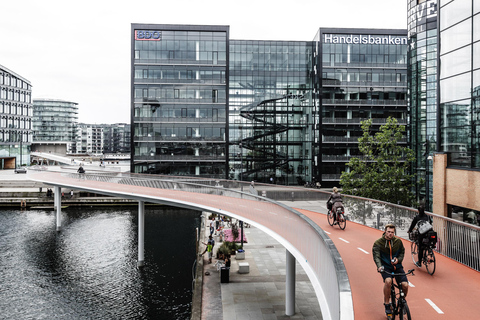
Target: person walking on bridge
(388, 253)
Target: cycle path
(451, 293)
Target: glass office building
(15, 119)
(459, 105)
(180, 99)
(422, 68)
(286, 112)
(359, 74)
(271, 111)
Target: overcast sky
(80, 50)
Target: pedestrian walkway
(259, 294)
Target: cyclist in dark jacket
(388, 253)
(334, 202)
(420, 216)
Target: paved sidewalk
(260, 294)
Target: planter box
(240, 255)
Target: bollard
(293, 196)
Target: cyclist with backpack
(334, 202)
(420, 218)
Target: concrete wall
(453, 186)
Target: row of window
(180, 73)
(15, 136)
(157, 131)
(243, 46)
(153, 111)
(15, 122)
(190, 46)
(15, 95)
(16, 109)
(164, 93)
(10, 80)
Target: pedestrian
(217, 222)
(212, 226)
(209, 249)
(71, 194)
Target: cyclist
(419, 239)
(388, 253)
(334, 202)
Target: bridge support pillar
(290, 285)
(58, 206)
(141, 233)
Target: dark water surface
(89, 269)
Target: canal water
(89, 269)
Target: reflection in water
(88, 270)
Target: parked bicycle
(429, 241)
(399, 303)
(337, 217)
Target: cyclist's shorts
(399, 279)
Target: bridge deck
(454, 288)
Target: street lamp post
(427, 175)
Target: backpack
(424, 226)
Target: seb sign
(148, 35)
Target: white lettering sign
(364, 39)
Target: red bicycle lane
(451, 293)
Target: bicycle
(428, 258)
(399, 303)
(341, 220)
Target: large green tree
(383, 173)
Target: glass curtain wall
(422, 68)
(361, 74)
(180, 98)
(271, 112)
(459, 23)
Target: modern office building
(16, 112)
(456, 169)
(54, 122)
(359, 74)
(180, 99)
(422, 85)
(293, 107)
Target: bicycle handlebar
(398, 274)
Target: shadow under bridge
(304, 240)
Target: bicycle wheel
(414, 252)
(330, 218)
(430, 261)
(404, 312)
(342, 222)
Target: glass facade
(422, 69)
(286, 112)
(15, 119)
(271, 111)
(55, 122)
(459, 82)
(360, 74)
(116, 138)
(180, 99)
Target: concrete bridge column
(58, 206)
(141, 233)
(290, 285)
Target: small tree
(384, 172)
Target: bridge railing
(457, 240)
